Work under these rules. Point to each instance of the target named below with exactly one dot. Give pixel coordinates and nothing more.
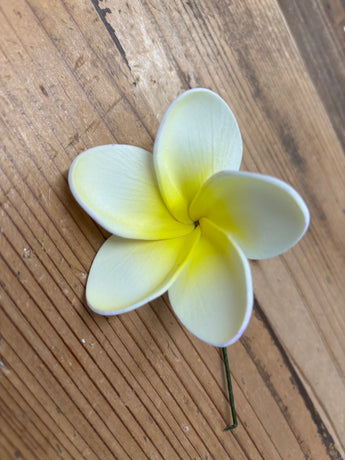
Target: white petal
(198, 137)
(213, 295)
(128, 273)
(264, 215)
(117, 187)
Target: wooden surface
(76, 74)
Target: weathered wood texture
(76, 74)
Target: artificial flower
(185, 219)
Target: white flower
(185, 219)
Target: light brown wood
(74, 75)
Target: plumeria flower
(185, 219)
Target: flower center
(196, 224)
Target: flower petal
(264, 215)
(128, 273)
(213, 295)
(117, 187)
(198, 137)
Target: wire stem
(231, 396)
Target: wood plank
(31, 434)
(75, 385)
(318, 29)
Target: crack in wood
(325, 436)
(102, 14)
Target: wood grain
(75, 385)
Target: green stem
(231, 396)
